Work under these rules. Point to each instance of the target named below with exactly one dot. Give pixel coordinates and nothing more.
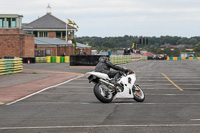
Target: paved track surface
(172, 104)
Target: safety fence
(84, 60)
(183, 58)
(52, 59)
(120, 59)
(10, 66)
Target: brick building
(51, 36)
(57, 47)
(49, 26)
(47, 33)
(13, 42)
(52, 47)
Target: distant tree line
(115, 43)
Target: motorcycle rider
(104, 66)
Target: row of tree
(115, 43)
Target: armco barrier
(183, 58)
(10, 66)
(84, 60)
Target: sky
(112, 18)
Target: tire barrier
(144, 58)
(62, 59)
(10, 66)
(183, 58)
(120, 59)
(57, 59)
(40, 59)
(52, 59)
(67, 59)
(48, 59)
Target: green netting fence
(10, 66)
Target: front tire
(138, 94)
(103, 93)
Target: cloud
(115, 16)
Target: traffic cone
(28, 61)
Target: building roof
(51, 41)
(57, 41)
(10, 15)
(48, 21)
(83, 46)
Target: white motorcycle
(106, 91)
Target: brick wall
(52, 34)
(53, 49)
(10, 31)
(58, 51)
(10, 45)
(87, 51)
(28, 46)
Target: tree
(193, 41)
(176, 52)
(74, 42)
(197, 48)
(183, 40)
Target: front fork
(135, 88)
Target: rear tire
(138, 94)
(102, 93)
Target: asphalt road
(172, 105)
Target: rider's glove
(126, 70)
(129, 71)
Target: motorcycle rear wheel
(103, 93)
(138, 94)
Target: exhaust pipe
(107, 83)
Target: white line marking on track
(118, 103)
(169, 88)
(172, 94)
(195, 119)
(41, 91)
(101, 126)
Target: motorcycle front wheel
(138, 94)
(103, 93)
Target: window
(35, 33)
(2, 22)
(13, 22)
(60, 34)
(42, 34)
(8, 23)
(63, 34)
